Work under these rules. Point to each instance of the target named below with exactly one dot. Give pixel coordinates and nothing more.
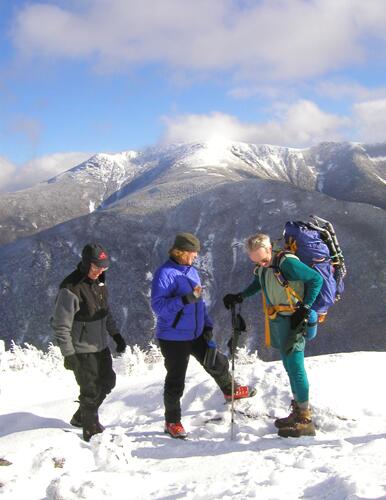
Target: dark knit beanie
(96, 254)
(187, 242)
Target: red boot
(241, 391)
(175, 430)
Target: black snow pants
(95, 377)
(176, 358)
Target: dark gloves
(71, 362)
(232, 299)
(298, 317)
(120, 341)
(190, 298)
(207, 333)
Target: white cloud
(349, 90)
(298, 125)
(280, 39)
(14, 177)
(199, 128)
(370, 118)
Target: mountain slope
(344, 171)
(69, 195)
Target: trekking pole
(233, 311)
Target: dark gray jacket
(82, 320)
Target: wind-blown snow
(134, 459)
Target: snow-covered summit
(103, 167)
(347, 170)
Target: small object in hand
(197, 291)
(192, 297)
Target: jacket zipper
(195, 313)
(177, 318)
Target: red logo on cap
(102, 255)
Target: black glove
(120, 341)
(299, 316)
(190, 298)
(71, 362)
(231, 299)
(207, 333)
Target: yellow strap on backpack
(271, 312)
(291, 292)
(267, 330)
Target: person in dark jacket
(286, 320)
(82, 322)
(184, 328)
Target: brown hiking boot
(291, 419)
(303, 425)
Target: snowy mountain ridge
(104, 167)
(216, 154)
(347, 171)
(307, 168)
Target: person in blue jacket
(184, 327)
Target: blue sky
(85, 76)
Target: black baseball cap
(94, 253)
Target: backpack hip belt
(273, 311)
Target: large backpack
(315, 244)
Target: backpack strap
(271, 311)
(281, 279)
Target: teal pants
(294, 366)
(293, 362)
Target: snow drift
(134, 459)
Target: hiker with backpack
(185, 328)
(287, 313)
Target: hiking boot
(303, 425)
(90, 430)
(76, 420)
(90, 424)
(291, 419)
(175, 430)
(241, 391)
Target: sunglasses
(95, 267)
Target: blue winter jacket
(176, 321)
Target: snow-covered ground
(134, 459)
